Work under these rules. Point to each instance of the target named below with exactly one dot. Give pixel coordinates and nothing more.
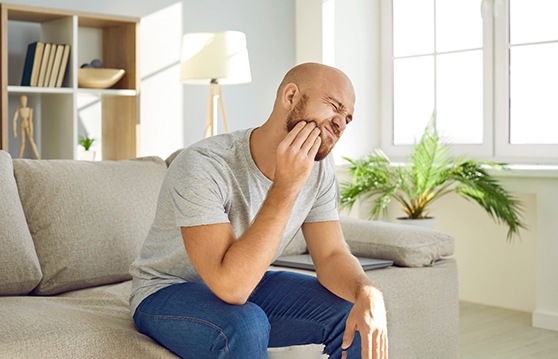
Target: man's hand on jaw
(295, 155)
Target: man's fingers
(291, 136)
(303, 136)
(313, 142)
(380, 346)
(385, 345)
(377, 345)
(366, 342)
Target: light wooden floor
(494, 333)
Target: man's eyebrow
(340, 107)
(339, 103)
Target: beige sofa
(70, 229)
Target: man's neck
(263, 146)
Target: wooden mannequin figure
(26, 114)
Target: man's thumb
(347, 339)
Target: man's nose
(339, 123)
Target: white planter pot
(86, 155)
(425, 222)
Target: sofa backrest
(88, 220)
(20, 271)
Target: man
(228, 207)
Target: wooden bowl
(99, 78)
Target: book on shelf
(43, 67)
(32, 64)
(56, 65)
(50, 63)
(63, 65)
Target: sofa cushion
(88, 323)
(88, 220)
(20, 271)
(405, 245)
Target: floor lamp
(216, 58)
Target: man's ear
(288, 94)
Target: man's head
(321, 94)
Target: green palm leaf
(476, 184)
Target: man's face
(330, 131)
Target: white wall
(492, 270)
(357, 48)
(308, 15)
(544, 185)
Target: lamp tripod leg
(209, 130)
(223, 113)
(212, 111)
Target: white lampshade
(220, 56)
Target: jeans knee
(251, 321)
(249, 331)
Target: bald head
(311, 74)
(316, 93)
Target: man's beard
(297, 114)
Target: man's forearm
(343, 276)
(247, 259)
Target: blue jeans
(285, 309)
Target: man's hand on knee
(368, 316)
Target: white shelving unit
(113, 39)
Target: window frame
(504, 150)
(496, 96)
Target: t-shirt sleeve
(195, 186)
(325, 205)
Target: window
(488, 68)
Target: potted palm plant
(86, 142)
(429, 174)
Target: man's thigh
(191, 321)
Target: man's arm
(340, 272)
(233, 267)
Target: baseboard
(545, 320)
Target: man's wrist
(368, 291)
(284, 190)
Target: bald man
(228, 207)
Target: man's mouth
(330, 132)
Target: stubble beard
(297, 114)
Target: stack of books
(45, 64)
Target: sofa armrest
(405, 245)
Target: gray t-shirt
(217, 181)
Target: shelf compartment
(120, 127)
